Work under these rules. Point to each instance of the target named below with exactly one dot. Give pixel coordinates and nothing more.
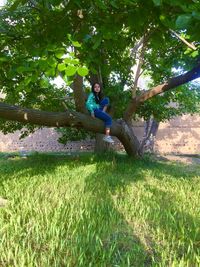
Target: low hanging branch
(54, 119)
(172, 83)
(71, 119)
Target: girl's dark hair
(99, 96)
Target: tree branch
(139, 66)
(170, 84)
(137, 46)
(55, 119)
(190, 45)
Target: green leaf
(61, 67)
(72, 61)
(67, 60)
(113, 3)
(157, 2)
(44, 83)
(162, 17)
(76, 44)
(183, 21)
(50, 72)
(34, 78)
(93, 70)
(27, 80)
(21, 69)
(67, 80)
(83, 71)
(16, 4)
(59, 54)
(187, 51)
(109, 35)
(70, 70)
(195, 53)
(97, 41)
(101, 4)
(4, 59)
(75, 61)
(52, 62)
(51, 47)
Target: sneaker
(108, 139)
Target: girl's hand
(92, 114)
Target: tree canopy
(43, 39)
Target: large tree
(100, 41)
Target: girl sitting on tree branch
(97, 106)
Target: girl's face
(97, 88)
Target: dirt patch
(3, 202)
(181, 158)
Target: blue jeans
(99, 113)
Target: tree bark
(100, 145)
(150, 132)
(71, 119)
(140, 57)
(129, 140)
(79, 95)
(170, 84)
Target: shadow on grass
(179, 228)
(117, 241)
(114, 174)
(119, 245)
(123, 170)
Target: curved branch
(170, 84)
(55, 119)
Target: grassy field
(98, 211)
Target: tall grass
(98, 211)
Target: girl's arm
(90, 104)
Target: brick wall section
(42, 140)
(180, 135)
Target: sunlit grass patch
(84, 210)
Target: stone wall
(180, 135)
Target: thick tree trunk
(79, 95)
(100, 145)
(129, 140)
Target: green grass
(98, 211)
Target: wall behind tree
(180, 136)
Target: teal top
(91, 103)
